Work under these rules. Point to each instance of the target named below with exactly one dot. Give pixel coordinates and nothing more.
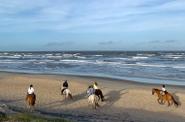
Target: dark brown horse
(163, 98)
(30, 99)
(99, 93)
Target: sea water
(141, 66)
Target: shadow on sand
(64, 101)
(177, 98)
(12, 101)
(113, 96)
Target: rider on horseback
(98, 91)
(163, 90)
(65, 86)
(31, 91)
(90, 90)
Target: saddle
(31, 95)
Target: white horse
(67, 93)
(93, 100)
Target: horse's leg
(168, 103)
(162, 101)
(65, 96)
(158, 100)
(171, 102)
(94, 105)
(97, 105)
(70, 95)
(99, 97)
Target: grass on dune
(24, 117)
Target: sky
(47, 25)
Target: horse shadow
(52, 104)
(113, 96)
(12, 101)
(176, 98)
(64, 101)
(80, 96)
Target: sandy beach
(125, 101)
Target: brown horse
(30, 99)
(163, 98)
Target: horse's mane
(156, 89)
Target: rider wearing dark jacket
(65, 86)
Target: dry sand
(126, 101)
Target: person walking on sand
(65, 86)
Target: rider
(95, 86)
(31, 91)
(65, 86)
(90, 90)
(163, 89)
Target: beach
(125, 101)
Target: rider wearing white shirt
(31, 90)
(163, 90)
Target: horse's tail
(175, 102)
(70, 95)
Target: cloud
(171, 41)
(59, 44)
(109, 42)
(155, 41)
(163, 41)
(66, 15)
(106, 43)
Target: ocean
(141, 66)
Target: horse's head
(153, 91)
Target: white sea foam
(139, 57)
(80, 57)
(151, 65)
(174, 56)
(75, 61)
(98, 55)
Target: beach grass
(25, 117)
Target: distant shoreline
(36, 51)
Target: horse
(67, 93)
(30, 99)
(163, 98)
(99, 93)
(93, 100)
